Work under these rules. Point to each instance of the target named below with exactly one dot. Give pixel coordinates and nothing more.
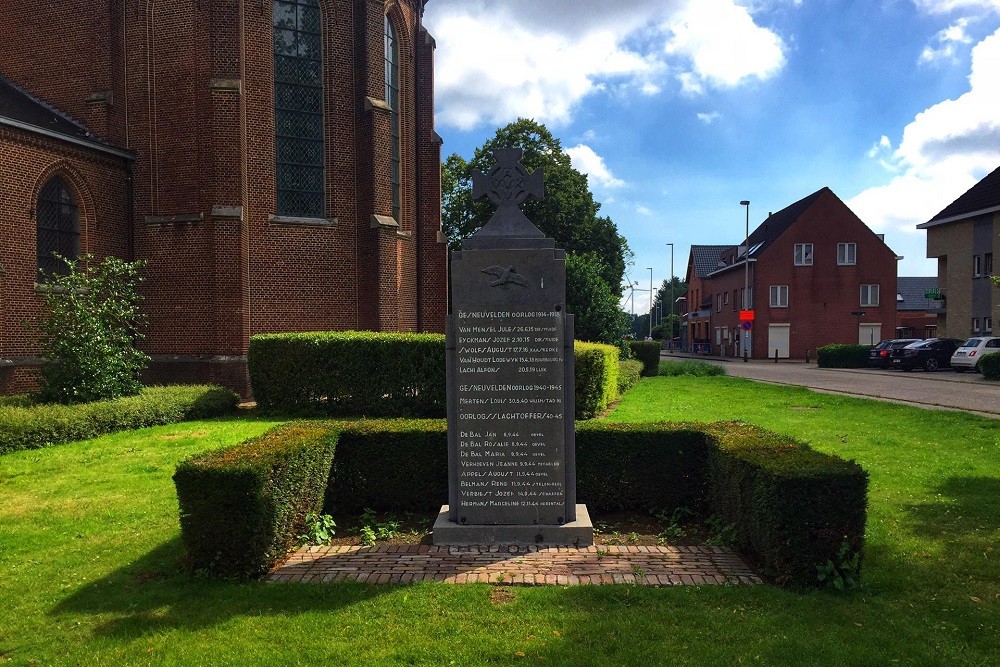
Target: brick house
(916, 309)
(702, 260)
(817, 275)
(275, 163)
(964, 237)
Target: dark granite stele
(578, 533)
(509, 358)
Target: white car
(972, 351)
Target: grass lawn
(90, 563)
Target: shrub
(34, 426)
(596, 377)
(648, 352)
(842, 356)
(90, 332)
(349, 373)
(695, 368)
(242, 507)
(787, 506)
(990, 366)
(629, 373)
(792, 508)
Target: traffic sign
(747, 325)
(746, 316)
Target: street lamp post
(746, 277)
(650, 302)
(670, 322)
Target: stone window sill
(294, 221)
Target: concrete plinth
(579, 533)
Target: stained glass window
(392, 99)
(298, 108)
(58, 228)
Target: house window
(988, 264)
(975, 324)
(718, 336)
(734, 300)
(869, 295)
(392, 99)
(977, 266)
(779, 296)
(298, 108)
(803, 254)
(725, 297)
(988, 324)
(58, 228)
(847, 253)
(718, 304)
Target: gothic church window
(392, 99)
(58, 220)
(298, 108)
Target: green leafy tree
(591, 300)
(568, 213)
(90, 333)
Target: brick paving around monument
(525, 565)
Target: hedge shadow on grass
(155, 593)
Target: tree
(568, 213)
(90, 332)
(590, 299)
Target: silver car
(972, 351)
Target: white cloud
(584, 159)
(709, 118)
(723, 44)
(946, 42)
(643, 210)
(946, 6)
(497, 61)
(944, 151)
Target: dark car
(880, 356)
(930, 354)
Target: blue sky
(679, 109)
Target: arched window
(58, 227)
(392, 99)
(298, 108)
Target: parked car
(971, 351)
(930, 354)
(880, 356)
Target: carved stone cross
(508, 185)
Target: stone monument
(511, 464)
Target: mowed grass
(91, 572)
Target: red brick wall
(822, 296)
(192, 94)
(100, 184)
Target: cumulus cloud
(944, 151)
(946, 42)
(498, 61)
(643, 210)
(585, 160)
(946, 6)
(709, 118)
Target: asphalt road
(943, 389)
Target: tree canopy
(568, 213)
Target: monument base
(579, 533)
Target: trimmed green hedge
(349, 373)
(648, 352)
(596, 377)
(242, 507)
(27, 426)
(989, 366)
(838, 355)
(792, 507)
(629, 374)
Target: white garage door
(869, 334)
(777, 339)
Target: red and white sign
(746, 316)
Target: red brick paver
(526, 565)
